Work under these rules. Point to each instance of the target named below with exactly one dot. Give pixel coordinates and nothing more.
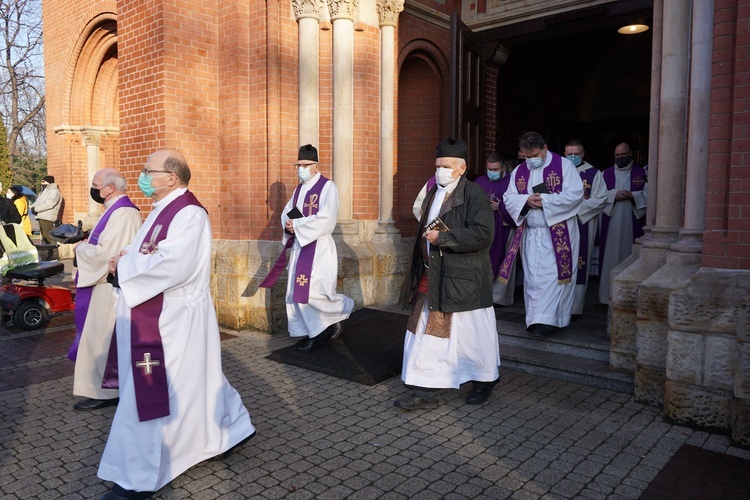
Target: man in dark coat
(451, 335)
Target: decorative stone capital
(91, 139)
(342, 9)
(306, 8)
(388, 11)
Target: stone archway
(421, 123)
(90, 113)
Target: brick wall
(727, 237)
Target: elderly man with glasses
(314, 310)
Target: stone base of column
(346, 227)
(653, 323)
(387, 227)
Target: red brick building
(238, 86)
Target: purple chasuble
(84, 294)
(146, 349)
(587, 177)
(637, 183)
(303, 269)
(495, 190)
(553, 178)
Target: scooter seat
(37, 271)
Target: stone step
(574, 356)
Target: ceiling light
(633, 29)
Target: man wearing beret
(47, 210)
(451, 335)
(314, 310)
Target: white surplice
(588, 214)
(470, 353)
(207, 416)
(619, 243)
(547, 301)
(100, 319)
(324, 307)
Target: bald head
(173, 162)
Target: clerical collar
(108, 203)
(170, 197)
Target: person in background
(594, 199)
(15, 193)
(47, 210)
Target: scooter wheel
(30, 315)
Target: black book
(294, 213)
(541, 188)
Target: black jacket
(460, 272)
(8, 212)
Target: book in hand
(541, 188)
(436, 224)
(294, 213)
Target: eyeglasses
(298, 165)
(622, 155)
(149, 171)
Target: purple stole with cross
(553, 178)
(84, 294)
(637, 182)
(303, 269)
(587, 177)
(146, 349)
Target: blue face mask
(493, 176)
(534, 162)
(144, 183)
(575, 159)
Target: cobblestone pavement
(322, 437)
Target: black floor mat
(369, 350)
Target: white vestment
(547, 301)
(470, 353)
(619, 244)
(207, 416)
(324, 307)
(588, 214)
(100, 319)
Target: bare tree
(22, 85)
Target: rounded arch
(91, 79)
(422, 91)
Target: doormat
(369, 350)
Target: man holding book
(543, 198)
(451, 335)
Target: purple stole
(587, 176)
(146, 349)
(637, 182)
(83, 294)
(303, 269)
(553, 178)
(496, 189)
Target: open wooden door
(467, 82)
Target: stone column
(342, 17)
(702, 38)
(307, 13)
(91, 141)
(653, 126)
(388, 11)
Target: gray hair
(116, 179)
(178, 167)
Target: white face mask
(304, 174)
(9, 196)
(534, 162)
(444, 176)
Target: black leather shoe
(314, 342)
(478, 395)
(95, 404)
(120, 493)
(543, 330)
(335, 330)
(234, 448)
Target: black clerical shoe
(120, 493)
(478, 395)
(314, 342)
(335, 330)
(234, 448)
(414, 402)
(543, 331)
(95, 404)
